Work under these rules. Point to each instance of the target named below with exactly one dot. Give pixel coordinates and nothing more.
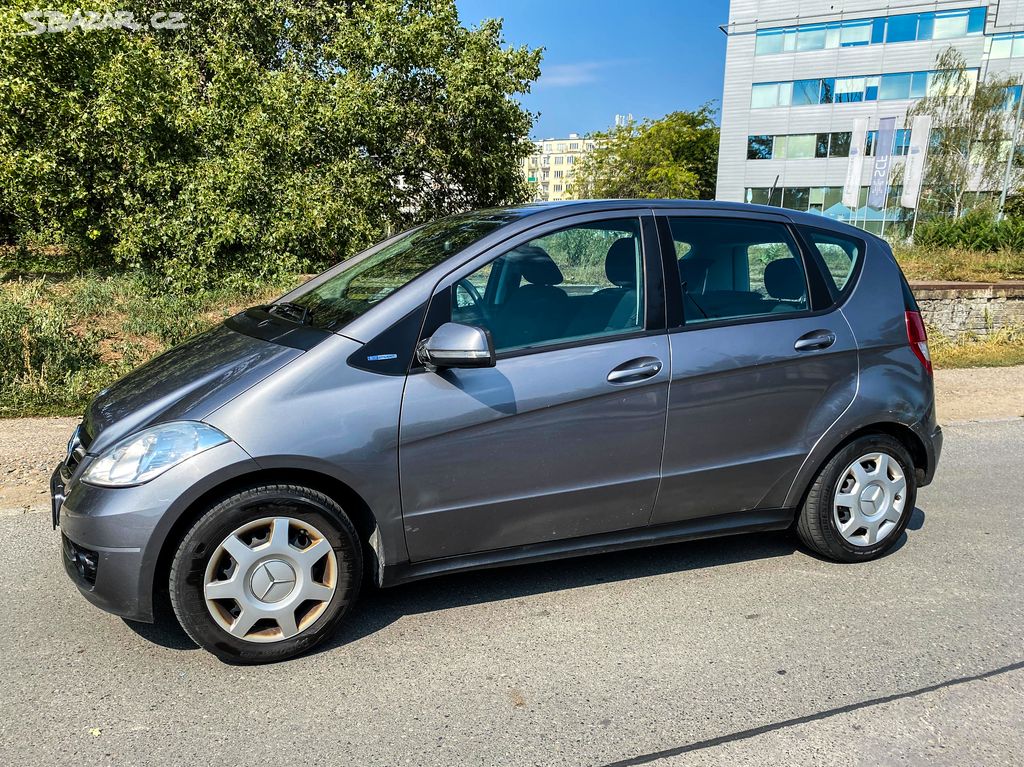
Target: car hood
(187, 382)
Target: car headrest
(784, 280)
(620, 263)
(536, 265)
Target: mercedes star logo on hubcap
(272, 580)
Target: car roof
(566, 207)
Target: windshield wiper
(296, 312)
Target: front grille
(79, 561)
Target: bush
(63, 340)
(928, 262)
(975, 230)
(41, 358)
(265, 138)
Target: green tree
(264, 136)
(971, 130)
(676, 156)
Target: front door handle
(816, 339)
(635, 370)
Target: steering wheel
(478, 306)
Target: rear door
(563, 437)
(762, 362)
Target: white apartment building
(549, 170)
(799, 72)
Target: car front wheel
(266, 574)
(861, 500)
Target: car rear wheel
(861, 500)
(266, 574)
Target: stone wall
(955, 308)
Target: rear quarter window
(839, 255)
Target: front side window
(362, 282)
(578, 283)
(734, 268)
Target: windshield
(363, 282)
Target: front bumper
(112, 538)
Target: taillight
(918, 338)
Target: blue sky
(603, 57)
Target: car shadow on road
(379, 608)
(383, 607)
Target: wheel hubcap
(270, 579)
(870, 499)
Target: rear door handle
(635, 370)
(816, 339)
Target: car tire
(861, 501)
(294, 546)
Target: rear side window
(839, 254)
(731, 269)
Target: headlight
(149, 453)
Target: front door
(563, 437)
(759, 371)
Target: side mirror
(457, 346)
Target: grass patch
(63, 339)
(958, 264)
(1001, 348)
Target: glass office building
(799, 72)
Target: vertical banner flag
(879, 190)
(913, 171)
(855, 165)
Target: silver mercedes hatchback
(499, 387)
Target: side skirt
(693, 529)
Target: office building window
(801, 146)
(902, 28)
(806, 92)
(839, 144)
(1007, 45)
(845, 90)
(798, 146)
(764, 95)
(759, 147)
(823, 199)
(796, 197)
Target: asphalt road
(737, 651)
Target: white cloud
(570, 75)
